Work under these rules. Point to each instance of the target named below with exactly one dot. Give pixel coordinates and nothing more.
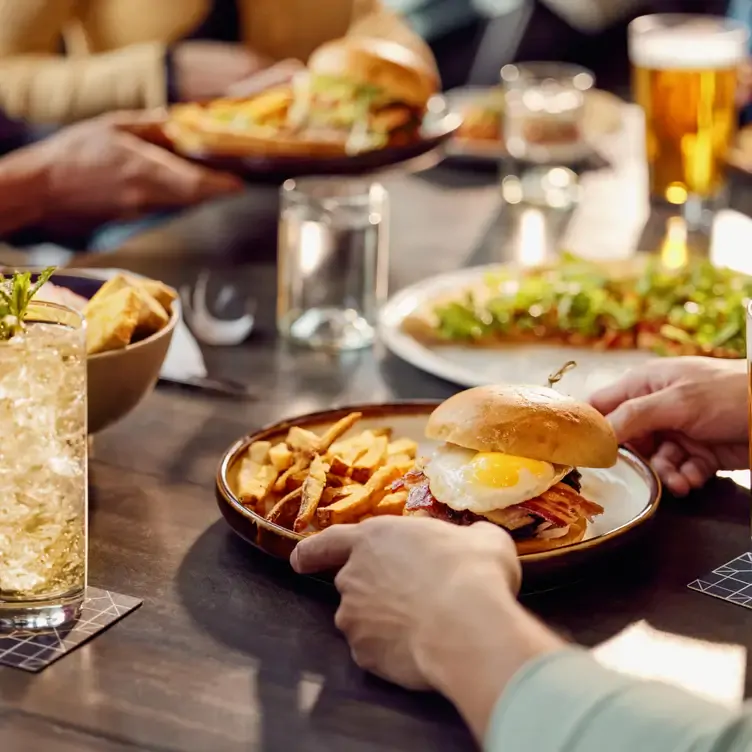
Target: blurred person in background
(67, 185)
(473, 39)
(448, 619)
(67, 60)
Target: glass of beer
(685, 78)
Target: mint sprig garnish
(16, 293)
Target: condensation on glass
(333, 261)
(43, 470)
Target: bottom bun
(528, 546)
(536, 545)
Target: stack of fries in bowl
(301, 482)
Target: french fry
(331, 495)
(375, 456)
(338, 429)
(393, 503)
(281, 457)
(403, 461)
(313, 488)
(255, 482)
(340, 467)
(382, 431)
(360, 501)
(335, 481)
(344, 447)
(301, 440)
(301, 463)
(295, 481)
(402, 446)
(285, 510)
(258, 451)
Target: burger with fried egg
(510, 456)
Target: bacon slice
(561, 505)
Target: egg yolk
(496, 470)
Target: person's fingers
(670, 454)
(212, 183)
(645, 447)
(499, 539)
(666, 461)
(640, 417)
(696, 472)
(170, 180)
(126, 120)
(327, 550)
(677, 484)
(631, 386)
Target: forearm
(50, 89)
(567, 701)
(470, 661)
(23, 188)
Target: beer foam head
(689, 42)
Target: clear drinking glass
(333, 261)
(684, 70)
(43, 470)
(544, 108)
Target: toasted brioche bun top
(526, 421)
(378, 62)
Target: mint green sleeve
(567, 702)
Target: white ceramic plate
(474, 366)
(630, 491)
(603, 117)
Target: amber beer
(684, 78)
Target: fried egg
(482, 482)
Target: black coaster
(33, 651)
(731, 582)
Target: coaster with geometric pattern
(731, 582)
(33, 651)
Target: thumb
(643, 416)
(215, 183)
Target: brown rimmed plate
(630, 491)
(439, 125)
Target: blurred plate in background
(603, 117)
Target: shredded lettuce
(700, 305)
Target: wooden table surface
(232, 652)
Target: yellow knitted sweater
(115, 48)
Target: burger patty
(560, 506)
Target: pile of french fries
(309, 481)
(126, 309)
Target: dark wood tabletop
(230, 651)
